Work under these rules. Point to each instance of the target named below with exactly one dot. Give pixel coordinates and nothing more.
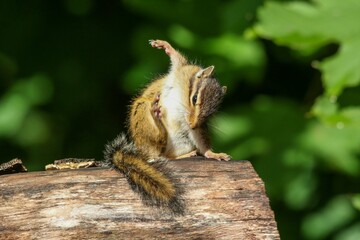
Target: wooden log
(224, 200)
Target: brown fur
(156, 132)
(152, 181)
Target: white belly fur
(178, 142)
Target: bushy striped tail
(152, 181)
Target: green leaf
(20, 99)
(289, 24)
(337, 146)
(300, 189)
(237, 50)
(342, 69)
(182, 36)
(356, 201)
(327, 111)
(335, 214)
(324, 107)
(13, 110)
(307, 26)
(351, 233)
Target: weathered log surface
(224, 200)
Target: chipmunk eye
(194, 99)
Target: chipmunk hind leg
(176, 58)
(217, 156)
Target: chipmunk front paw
(187, 155)
(156, 108)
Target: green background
(69, 69)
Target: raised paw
(156, 108)
(217, 156)
(160, 44)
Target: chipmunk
(168, 120)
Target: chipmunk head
(205, 97)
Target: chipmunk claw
(156, 108)
(152, 42)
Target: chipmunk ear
(224, 89)
(207, 72)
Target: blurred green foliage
(68, 70)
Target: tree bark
(224, 200)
